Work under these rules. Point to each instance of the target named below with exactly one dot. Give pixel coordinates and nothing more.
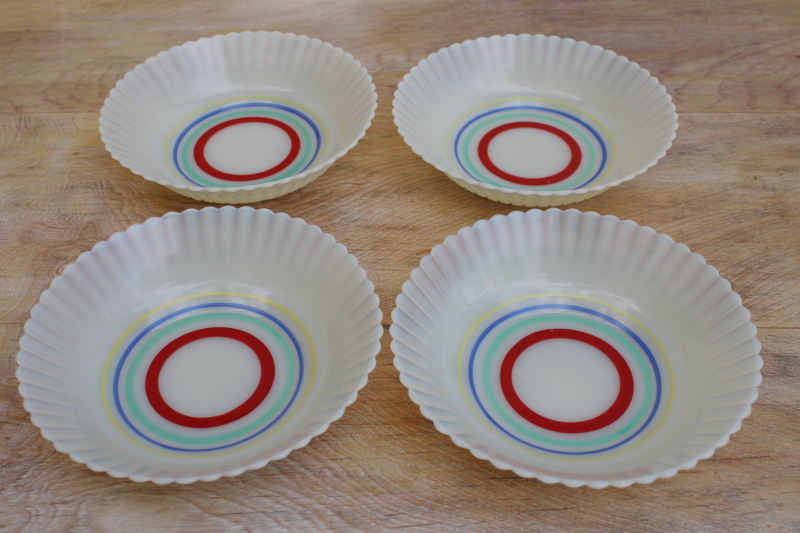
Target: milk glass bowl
(534, 120)
(576, 348)
(241, 117)
(199, 345)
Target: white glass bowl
(199, 345)
(576, 348)
(534, 120)
(241, 117)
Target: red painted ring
(205, 166)
(569, 170)
(611, 415)
(264, 385)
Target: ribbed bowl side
(236, 61)
(633, 262)
(599, 78)
(252, 247)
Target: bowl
(241, 117)
(199, 345)
(533, 120)
(576, 348)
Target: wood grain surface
(729, 189)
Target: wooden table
(729, 189)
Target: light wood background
(729, 189)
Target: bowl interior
(576, 348)
(200, 344)
(238, 110)
(534, 113)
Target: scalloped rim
(708, 452)
(230, 473)
(262, 186)
(460, 178)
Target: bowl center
(209, 377)
(247, 148)
(529, 153)
(531, 143)
(565, 380)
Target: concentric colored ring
(625, 434)
(569, 170)
(153, 391)
(590, 155)
(247, 433)
(539, 321)
(608, 417)
(200, 147)
(305, 137)
(151, 426)
(568, 124)
(301, 163)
